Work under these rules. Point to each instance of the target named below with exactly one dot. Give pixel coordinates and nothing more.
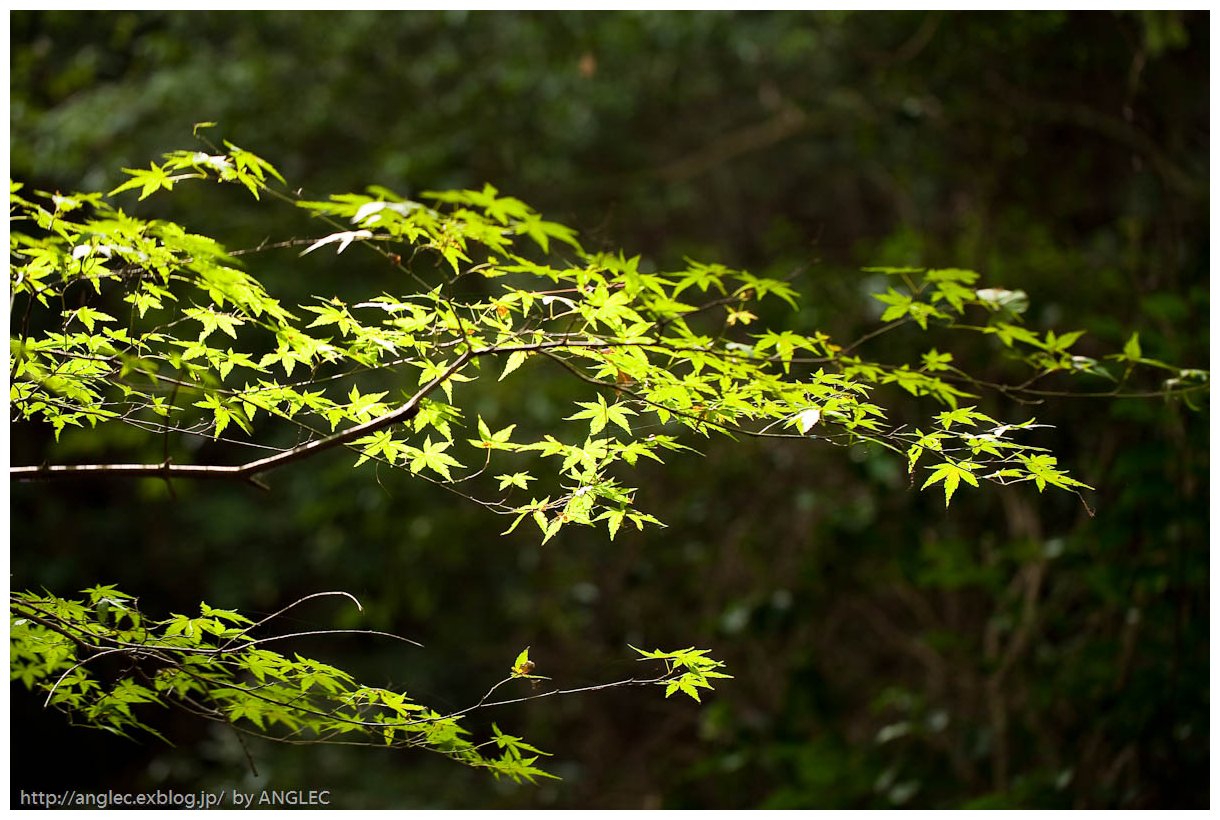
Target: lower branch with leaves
(217, 666)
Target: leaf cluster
(120, 319)
(104, 663)
(216, 666)
(125, 320)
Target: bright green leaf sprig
(687, 670)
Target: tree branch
(249, 471)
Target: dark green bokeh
(1010, 652)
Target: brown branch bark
(249, 471)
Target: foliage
(693, 664)
(213, 667)
(666, 364)
(621, 330)
(1036, 657)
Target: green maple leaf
(963, 415)
(498, 440)
(515, 480)
(599, 414)
(1043, 470)
(433, 456)
(951, 474)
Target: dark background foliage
(1012, 651)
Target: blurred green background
(1011, 652)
